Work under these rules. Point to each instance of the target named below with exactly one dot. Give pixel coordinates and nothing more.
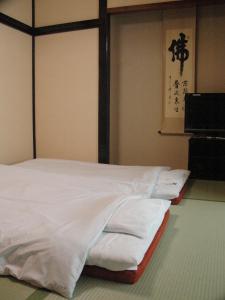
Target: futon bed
(54, 220)
(101, 261)
(115, 265)
(170, 184)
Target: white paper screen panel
(20, 10)
(67, 95)
(51, 12)
(15, 96)
(120, 3)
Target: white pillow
(170, 183)
(137, 217)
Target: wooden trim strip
(11, 22)
(161, 5)
(72, 26)
(104, 84)
(33, 82)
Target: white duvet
(168, 185)
(139, 176)
(48, 222)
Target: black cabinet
(207, 157)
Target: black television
(205, 113)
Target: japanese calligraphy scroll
(179, 65)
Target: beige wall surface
(211, 49)
(119, 3)
(18, 9)
(67, 95)
(15, 96)
(136, 85)
(50, 12)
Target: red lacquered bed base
(177, 200)
(129, 276)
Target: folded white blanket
(170, 183)
(119, 252)
(137, 217)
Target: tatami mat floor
(206, 190)
(189, 263)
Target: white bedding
(119, 252)
(139, 176)
(137, 217)
(49, 222)
(168, 185)
(107, 251)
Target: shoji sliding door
(16, 141)
(67, 82)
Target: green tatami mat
(189, 263)
(11, 289)
(206, 190)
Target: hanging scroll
(179, 66)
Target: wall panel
(136, 84)
(51, 12)
(15, 96)
(120, 3)
(211, 49)
(136, 91)
(20, 10)
(67, 95)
